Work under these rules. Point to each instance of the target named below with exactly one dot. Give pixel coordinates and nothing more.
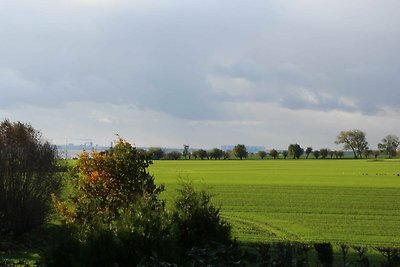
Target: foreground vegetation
(111, 210)
(112, 216)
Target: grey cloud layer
(186, 58)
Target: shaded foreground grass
(352, 201)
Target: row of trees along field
(352, 140)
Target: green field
(354, 201)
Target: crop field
(352, 201)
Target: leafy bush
(391, 254)
(264, 250)
(362, 255)
(108, 185)
(64, 249)
(325, 253)
(114, 211)
(101, 246)
(197, 220)
(28, 175)
(285, 253)
(214, 254)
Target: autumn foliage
(107, 186)
(115, 215)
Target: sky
(204, 73)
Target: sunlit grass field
(353, 201)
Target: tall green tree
(186, 152)
(389, 144)
(308, 151)
(295, 150)
(324, 152)
(201, 153)
(240, 151)
(273, 153)
(216, 153)
(354, 140)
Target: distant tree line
(352, 140)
